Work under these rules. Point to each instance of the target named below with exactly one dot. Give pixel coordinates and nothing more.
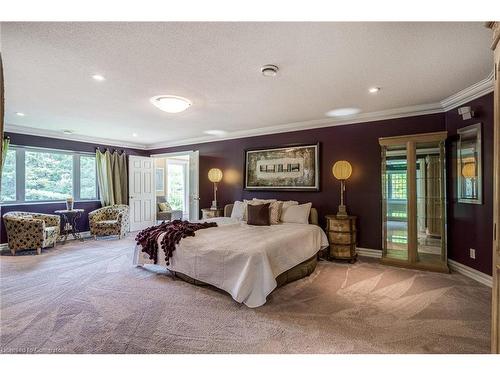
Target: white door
(194, 175)
(142, 197)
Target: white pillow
(239, 209)
(287, 204)
(297, 214)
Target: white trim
(471, 273)
(370, 253)
(472, 92)
(454, 266)
(11, 128)
(418, 110)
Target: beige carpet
(88, 298)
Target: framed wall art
(294, 167)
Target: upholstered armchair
(166, 215)
(29, 230)
(110, 220)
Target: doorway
(176, 184)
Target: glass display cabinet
(414, 201)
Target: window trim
(21, 175)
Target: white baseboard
(454, 266)
(370, 253)
(5, 246)
(471, 272)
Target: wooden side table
(341, 233)
(209, 213)
(69, 220)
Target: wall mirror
(469, 165)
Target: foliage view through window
(9, 177)
(49, 176)
(176, 186)
(31, 175)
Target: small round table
(69, 220)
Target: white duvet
(244, 260)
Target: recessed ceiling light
(98, 77)
(134, 134)
(343, 112)
(373, 90)
(170, 103)
(216, 132)
(67, 131)
(20, 114)
(269, 70)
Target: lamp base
(214, 205)
(342, 212)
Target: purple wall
(471, 225)
(61, 144)
(357, 143)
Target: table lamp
(215, 175)
(342, 171)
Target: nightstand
(209, 213)
(341, 233)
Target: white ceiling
(48, 68)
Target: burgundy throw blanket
(174, 232)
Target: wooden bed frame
(298, 272)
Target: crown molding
(472, 92)
(10, 128)
(387, 114)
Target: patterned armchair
(29, 230)
(109, 220)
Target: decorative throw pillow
(238, 210)
(297, 214)
(258, 214)
(285, 206)
(274, 208)
(164, 207)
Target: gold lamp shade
(469, 170)
(342, 170)
(215, 175)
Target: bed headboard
(313, 215)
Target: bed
(246, 261)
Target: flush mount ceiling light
(269, 70)
(134, 134)
(343, 112)
(216, 132)
(67, 131)
(170, 103)
(373, 90)
(20, 114)
(98, 77)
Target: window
(176, 185)
(49, 176)
(88, 186)
(8, 188)
(41, 175)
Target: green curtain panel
(112, 177)
(5, 148)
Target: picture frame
(160, 180)
(292, 167)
